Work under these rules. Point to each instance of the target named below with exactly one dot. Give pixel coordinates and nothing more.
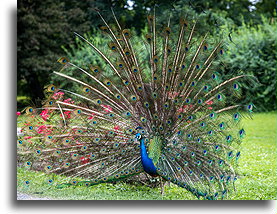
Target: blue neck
(147, 162)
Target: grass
(257, 169)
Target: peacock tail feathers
(170, 91)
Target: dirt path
(23, 196)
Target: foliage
(255, 53)
(257, 169)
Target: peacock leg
(162, 186)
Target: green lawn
(257, 168)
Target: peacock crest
(167, 110)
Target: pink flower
(107, 108)
(172, 95)
(18, 113)
(210, 107)
(180, 110)
(69, 100)
(44, 114)
(116, 128)
(67, 114)
(57, 95)
(27, 137)
(41, 129)
(209, 102)
(91, 117)
(44, 130)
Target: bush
(254, 52)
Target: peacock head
(138, 136)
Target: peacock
(167, 109)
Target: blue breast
(147, 162)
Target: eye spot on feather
(222, 125)
(210, 162)
(237, 155)
(146, 104)
(250, 107)
(155, 59)
(133, 98)
(220, 162)
(236, 116)
(212, 115)
(148, 37)
(143, 119)
(219, 97)
(241, 133)
(28, 164)
(186, 163)
(168, 122)
(235, 86)
(228, 138)
(179, 132)
(202, 124)
(210, 133)
(200, 101)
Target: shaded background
(45, 33)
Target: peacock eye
(138, 136)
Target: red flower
(84, 160)
(116, 128)
(18, 113)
